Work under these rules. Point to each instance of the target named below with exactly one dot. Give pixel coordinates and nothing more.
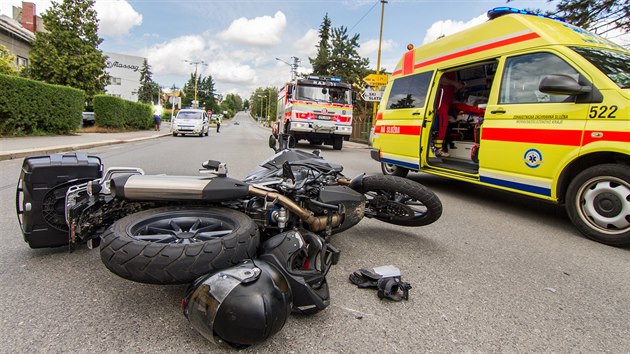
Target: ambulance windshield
(615, 65)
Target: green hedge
(29, 107)
(114, 112)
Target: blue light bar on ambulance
(500, 11)
(335, 79)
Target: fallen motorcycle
(275, 224)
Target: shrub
(166, 115)
(114, 112)
(31, 107)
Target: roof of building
(15, 28)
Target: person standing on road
(157, 119)
(218, 123)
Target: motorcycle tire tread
(156, 263)
(410, 188)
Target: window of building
(21, 61)
(409, 91)
(115, 80)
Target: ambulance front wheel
(393, 170)
(598, 203)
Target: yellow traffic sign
(376, 79)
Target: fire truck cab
(317, 109)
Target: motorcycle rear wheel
(400, 201)
(176, 245)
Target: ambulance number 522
(602, 112)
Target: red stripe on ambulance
(591, 136)
(534, 136)
(405, 70)
(398, 129)
(552, 137)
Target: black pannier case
(41, 192)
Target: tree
(206, 93)
(321, 62)
(148, 89)
(189, 91)
(232, 103)
(345, 61)
(68, 54)
(6, 61)
(263, 100)
(599, 16)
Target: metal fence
(361, 127)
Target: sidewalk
(13, 148)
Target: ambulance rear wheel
(393, 170)
(598, 203)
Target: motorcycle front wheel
(176, 245)
(400, 201)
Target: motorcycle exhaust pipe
(315, 223)
(150, 188)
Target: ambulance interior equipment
(466, 110)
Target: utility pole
(268, 103)
(294, 66)
(262, 104)
(378, 60)
(196, 63)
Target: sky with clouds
(240, 40)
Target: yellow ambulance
(521, 103)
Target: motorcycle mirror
(287, 172)
(211, 165)
(272, 142)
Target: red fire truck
(317, 109)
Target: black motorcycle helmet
(304, 259)
(242, 305)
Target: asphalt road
(497, 273)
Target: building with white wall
(124, 71)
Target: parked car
(88, 119)
(191, 121)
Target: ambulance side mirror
(562, 85)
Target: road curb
(16, 154)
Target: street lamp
(294, 66)
(262, 104)
(196, 63)
(268, 104)
(172, 100)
